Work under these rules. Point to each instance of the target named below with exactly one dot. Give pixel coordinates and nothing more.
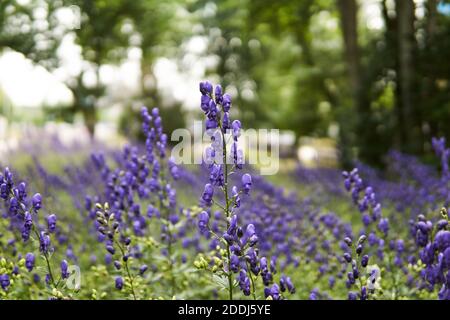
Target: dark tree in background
(313, 67)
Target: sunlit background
(327, 73)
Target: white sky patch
(71, 61)
(371, 14)
(27, 85)
(180, 81)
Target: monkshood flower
(51, 223)
(5, 281)
(244, 282)
(64, 269)
(443, 153)
(37, 202)
(286, 284)
(140, 176)
(314, 294)
(208, 194)
(29, 261)
(358, 264)
(143, 269)
(435, 253)
(203, 221)
(239, 254)
(273, 292)
(367, 204)
(246, 183)
(159, 184)
(119, 283)
(44, 242)
(22, 214)
(109, 227)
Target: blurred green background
(364, 76)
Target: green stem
(169, 253)
(251, 280)
(49, 268)
(227, 210)
(163, 208)
(127, 269)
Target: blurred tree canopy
(313, 64)
(31, 28)
(315, 67)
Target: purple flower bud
(51, 223)
(44, 242)
(347, 257)
(250, 234)
(348, 241)
(226, 124)
(244, 282)
(273, 292)
(351, 277)
(237, 199)
(119, 283)
(226, 102)
(359, 249)
(442, 224)
(236, 125)
(36, 201)
(4, 281)
(246, 183)
(442, 240)
(423, 227)
(27, 226)
(234, 263)
(205, 100)
(64, 269)
(110, 249)
(155, 112)
(352, 296)
(364, 261)
(263, 264)
(206, 87)
(210, 154)
(203, 221)
(211, 124)
(286, 284)
(383, 225)
(142, 269)
(362, 239)
(207, 195)
(218, 93)
(363, 293)
(29, 261)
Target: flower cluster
(23, 215)
(435, 253)
(357, 261)
(367, 204)
(240, 255)
(139, 195)
(443, 153)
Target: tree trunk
(405, 72)
(429, 78)
(431, 6)
(348, 11)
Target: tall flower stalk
(23, 215)
(235, 257)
